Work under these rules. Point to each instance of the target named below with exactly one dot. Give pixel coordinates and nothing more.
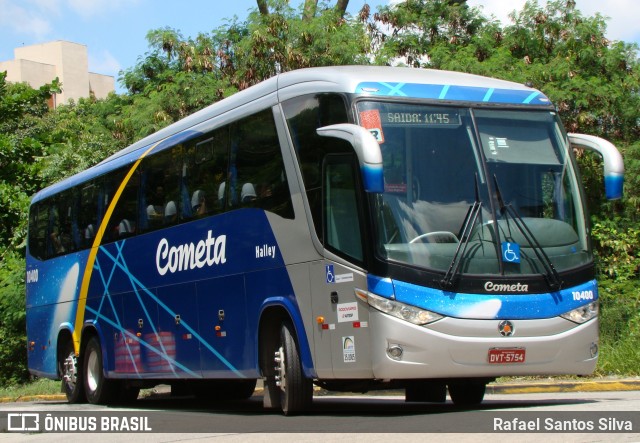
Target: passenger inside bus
(170, 213)
(248, 193)
(198, 203)
(125, 228)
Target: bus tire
(98, 389)
(467, 393)
(295, 390)
(70, 369)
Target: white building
(68, 61)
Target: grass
(41, 386)
(621, 358)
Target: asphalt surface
(536, 386)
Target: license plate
(502, 356)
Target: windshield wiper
(551, 275)
(467, 226)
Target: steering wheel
(436, 237)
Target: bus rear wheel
(98, 389)
(467, 393)
(71, 374)
(295, 391)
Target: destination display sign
(429, 118)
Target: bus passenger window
(38, 217)
(88, 214)
(160, 194)
(257, 174)
(206, 172)
(54, 244)
(123, 221)
(61, 227)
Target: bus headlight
(582, 314)
(402, 311)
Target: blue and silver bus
(355, 228)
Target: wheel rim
(281, 369)
(70, 371)
(93, 371)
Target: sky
(114, 30)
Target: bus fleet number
(582, 295)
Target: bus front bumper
(459, 348)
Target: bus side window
(54, 240)
(61, 225)
(341, 215)
(123, 221)
(206, 173)
(88, 214)
(160, 195)
(304, 115)
(38, 220)
(257, 167)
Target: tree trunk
(262, 7)
(341, 6)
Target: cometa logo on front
(505, 287)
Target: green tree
(593, 81)
(21, 144)
(22, 109)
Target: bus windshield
(489, 191)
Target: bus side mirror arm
(613, 163)
(367, 150)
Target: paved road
(367, 419)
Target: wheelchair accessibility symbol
(331, 277)
(510, 252)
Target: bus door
(345, 319)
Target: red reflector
(356, 324)
(325, 326)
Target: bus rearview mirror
(613, 164)
(367, 150)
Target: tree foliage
(593, 81)
(22, 143)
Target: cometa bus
(351, 227)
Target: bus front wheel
(289, 383)
(467, 393)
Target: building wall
(27, 71)
(101, 85)
(42, 63)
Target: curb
(500, 388)
(565, 386)
(42, 397)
